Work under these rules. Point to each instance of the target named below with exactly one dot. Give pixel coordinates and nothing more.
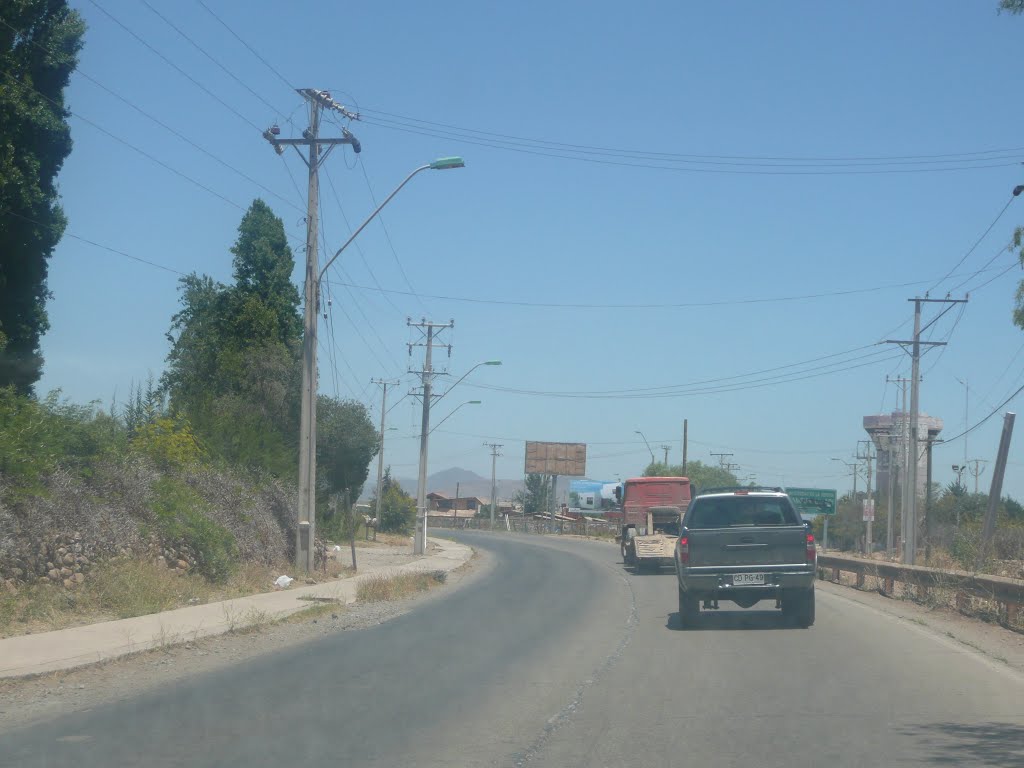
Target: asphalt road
(556, 656)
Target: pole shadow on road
(732, 619)
(990, 743)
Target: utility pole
(869, 501)
(685, 446)
(318, 101)
(665, 449)
(977, 471)
(988, 529)
(896, 468)
(721, 458)
(430, 332)
(910, 517)
(384, 383)
(494, 477)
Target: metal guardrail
(1008, 593)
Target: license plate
(747, 579)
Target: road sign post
(815, 501)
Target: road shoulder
(999, 645)
(31, 700)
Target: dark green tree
(346, 442)
(536, 495)
(39, 45)
(397, 508)
(1013, 6)
(233, 368)
(701, 475)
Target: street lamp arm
(463, 376)
(371, 217)
(442, 421)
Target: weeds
(121, 590)
(383, 588)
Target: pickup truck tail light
(684, 550)
(812, 552)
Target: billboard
(565, 459)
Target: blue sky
(733, 83)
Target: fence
(523, 524)
(1007, 594)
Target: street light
(305, 540)
(442, 421)
(453, 386)
(637, 431)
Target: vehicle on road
(651, 511)
(745, 545)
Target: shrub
(182, 517)
(167, 442)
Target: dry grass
(315, 611)
(121, 590)
(382, 588)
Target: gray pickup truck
(745, 545)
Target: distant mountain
(469, 484)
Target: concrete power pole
(384, 383)
(988, 530)
(976, 471)
(869, 512)
(430, 332)
(910, 515)
(494, 477)
(897, 464)
(318, 101)
(685, 443)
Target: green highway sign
(813, 501)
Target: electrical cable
(662, 155)
(203, 51)
(178, 69)
(667, 305)
(764, 171)
(976, 244)
(251, 50)
(387, 236)
(355, 243)
(990, 415)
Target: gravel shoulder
(26, 701)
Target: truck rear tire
(689, 610)
(798, 608)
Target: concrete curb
(78, 646)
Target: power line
(100, 245)
(159, 122)
(205, 53)
(248, 47)
(672, 305)
(664, 155)
(775, 170)
(706, 390)
(990, 415)
(359, 250)
(387, 237)
(128, 144)
(973, 247)
(176, 68)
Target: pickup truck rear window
(738, 511)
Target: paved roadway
(558, 657)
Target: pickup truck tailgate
(750, 546)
